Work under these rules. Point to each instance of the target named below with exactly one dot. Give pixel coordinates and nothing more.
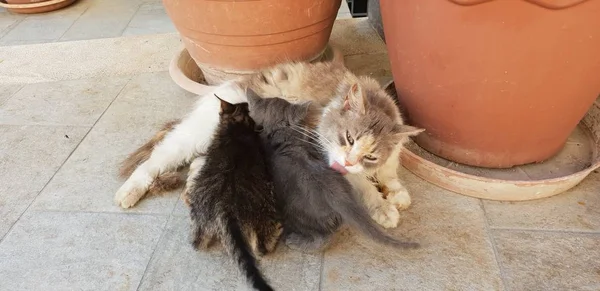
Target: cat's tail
(236, 244)
(356, 215)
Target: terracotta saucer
(36, 7)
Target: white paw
(399, 198)
(129, 194)
(386, 215)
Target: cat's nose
(348, 164)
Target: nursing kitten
(314, 199)
(232, 196)
(329, 85)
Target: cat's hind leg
(201, 237)
(268, 237)
(193, 172)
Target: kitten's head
(275, 112)
(360, 136)
(234, 113)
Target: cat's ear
(407, 130)
(226, 107)
(355, 99)
(252, 96)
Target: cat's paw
(386, 215)
(399, 198)
(129, 194)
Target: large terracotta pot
(495, 83)
(241, 35)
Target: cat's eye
(349, 138)
(370, 157)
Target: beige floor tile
(356, 36)
(151, 18)
(29, 156)
(8, 21)
(45, 27)
(75, 102)
(577, 209)
(177, 266)
(549, 261)
(457, 257)
(7, 91)
(376, 66)
(103, 19)
(88, 180)
(78, 251)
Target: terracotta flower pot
(495, 83)
(240, 36)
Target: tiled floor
(66, 124)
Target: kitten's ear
(407, 130)
(252, 96)
(355, 99)
(226, 107)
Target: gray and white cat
(313, 198)
(360, 127)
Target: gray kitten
(231, 197)
(313, 198)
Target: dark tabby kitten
(232, 197)
(313, 198)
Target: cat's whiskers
(316, 135)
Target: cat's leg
(268, 236)
(383, 212)
(388, 176)
(188, 138)
(201, 235)
(193, 172)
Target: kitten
(232, 196)
(314, 199)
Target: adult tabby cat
(313, 198)
(360, 127)
(231, 197)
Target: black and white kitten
(313, 198)
(231, 196)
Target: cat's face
(359, 137)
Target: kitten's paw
(400, 199)
(129, 194)
(305, 244)
(386, 215)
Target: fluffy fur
(314, 198)
(343, 96)
(363, 133)
(232, 196)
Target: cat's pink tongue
(336, 166)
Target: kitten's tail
(237, 245)
(355, 214)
